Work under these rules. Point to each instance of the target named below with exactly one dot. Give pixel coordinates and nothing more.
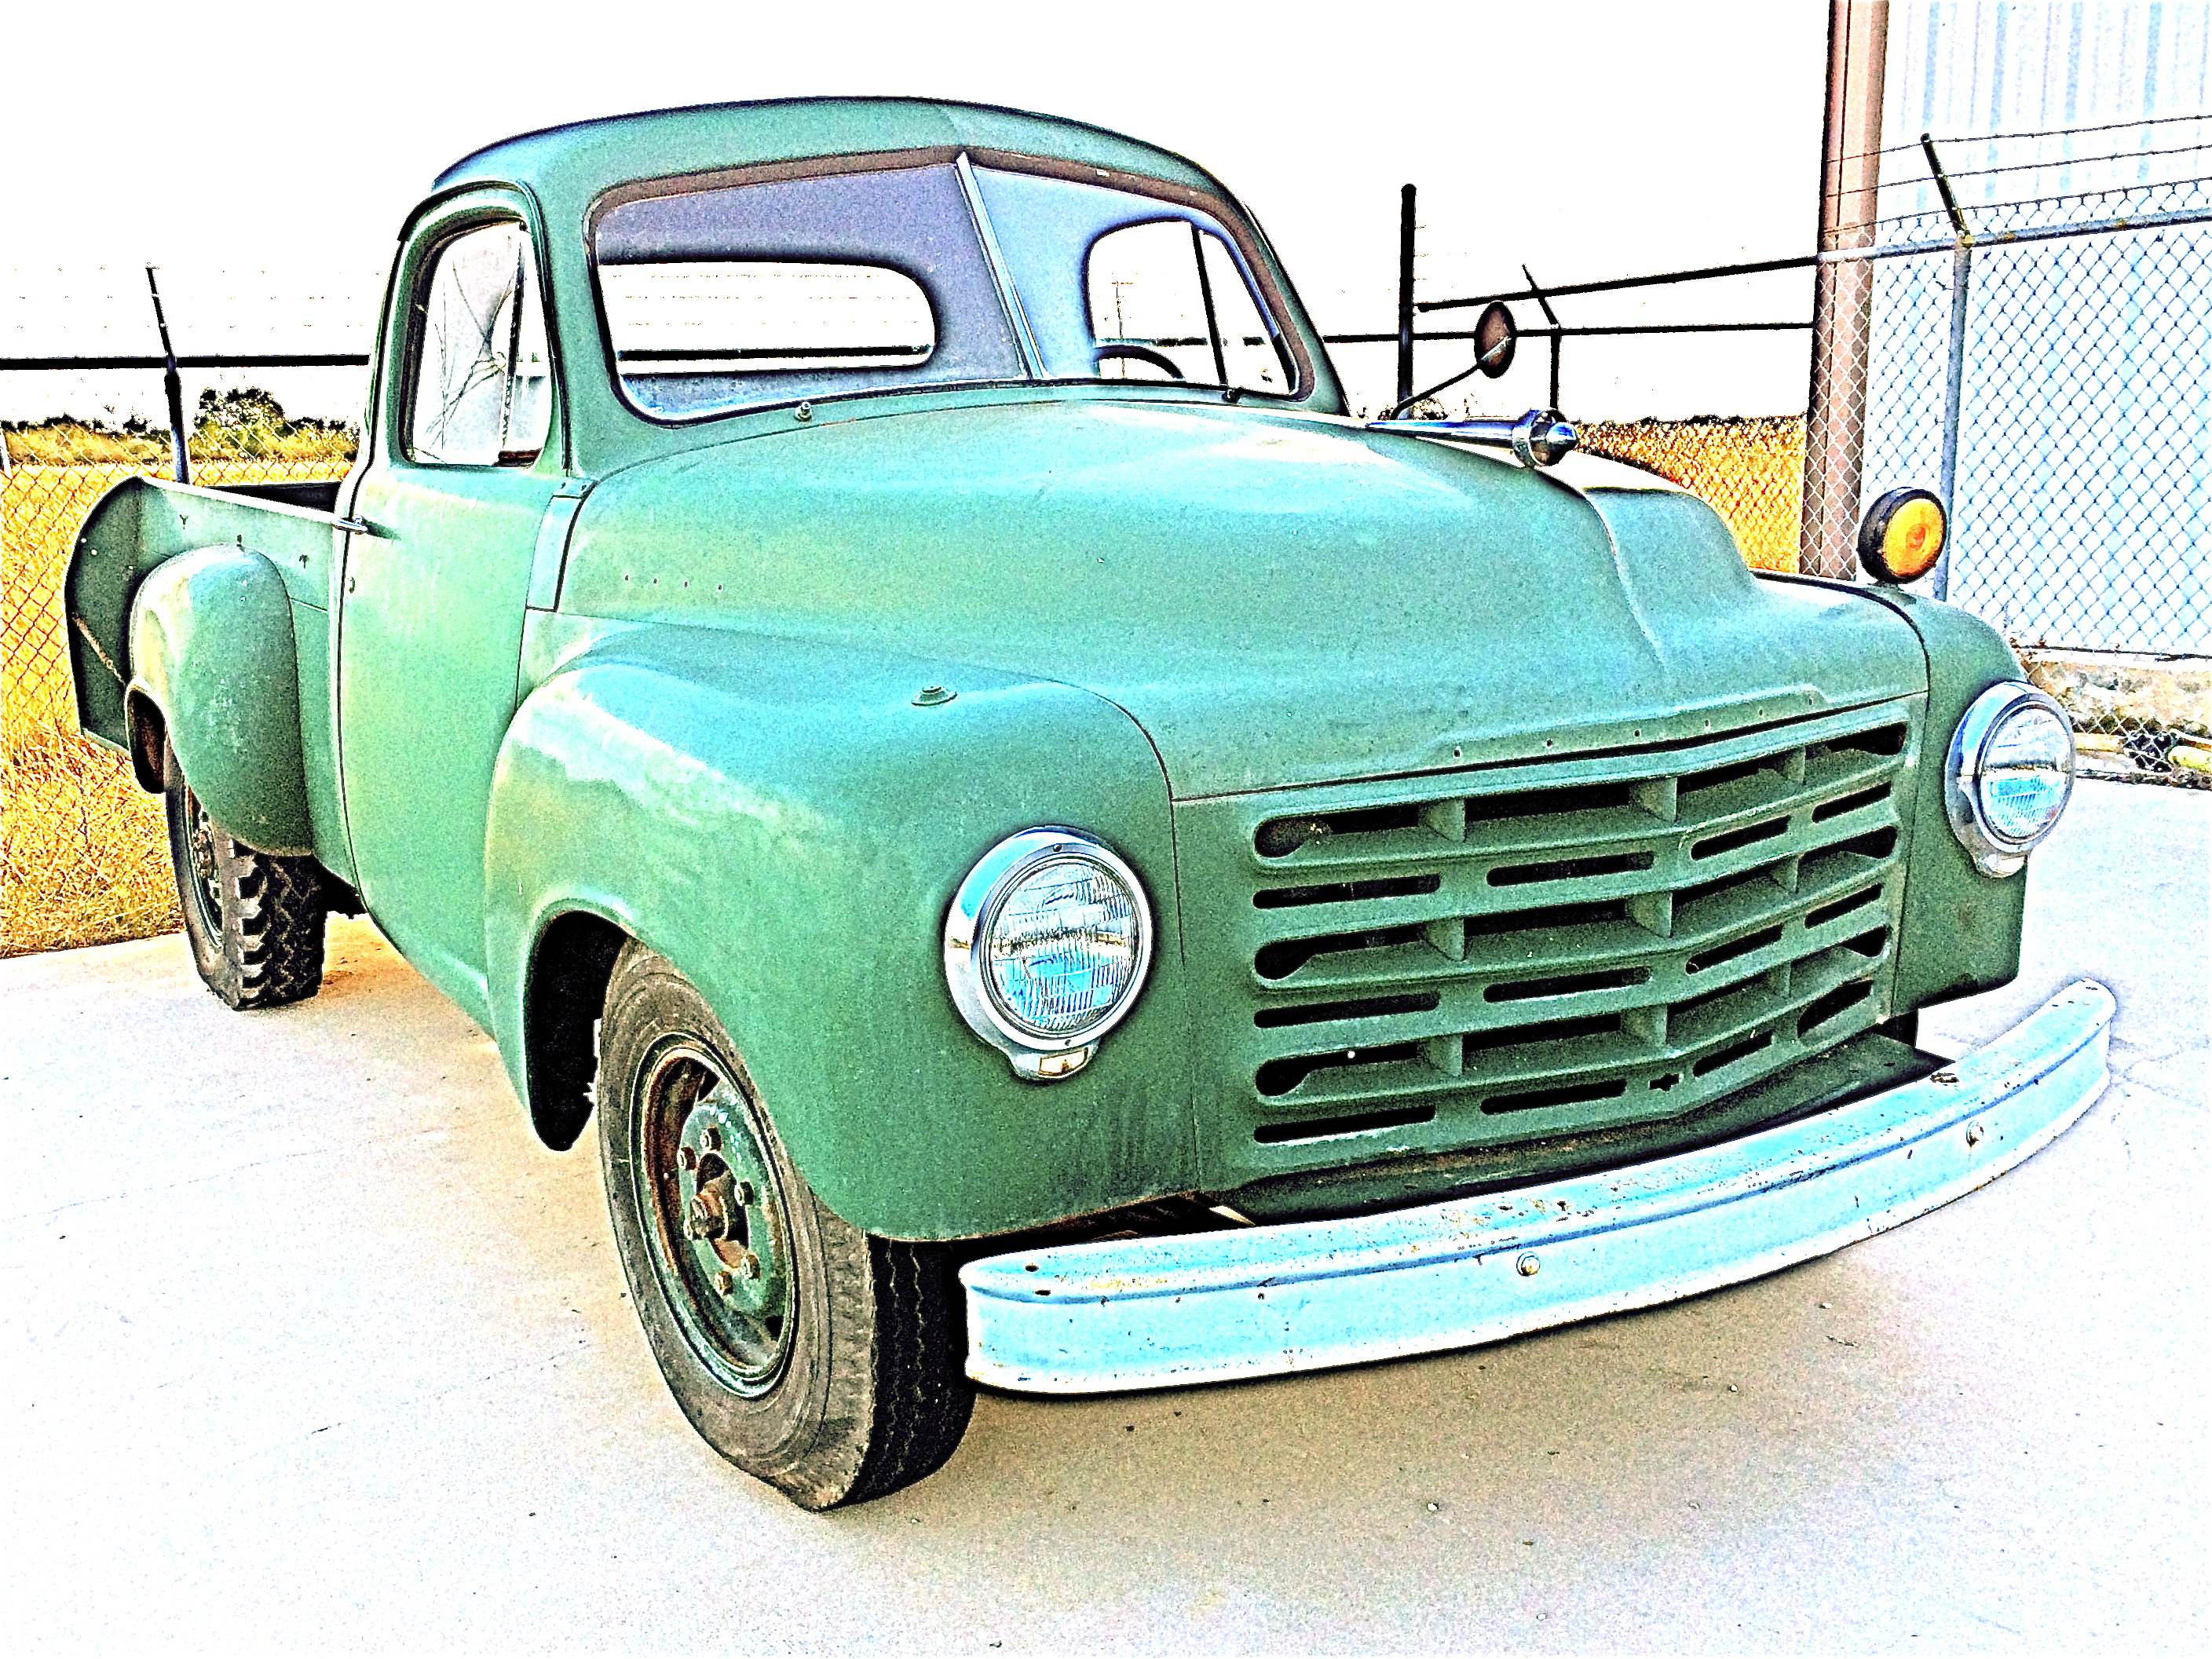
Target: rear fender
(211, 648)
(178, 626)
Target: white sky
(264, 156)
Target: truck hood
(1276, 599)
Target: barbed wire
(2070, 161)
(1937, 216)
(2067, 132)
(2020, 167)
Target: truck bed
(142, 523)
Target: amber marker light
(1902, 535)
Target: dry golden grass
(83, 859)
(1752, 472)
(82, 856)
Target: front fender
(1961, 928)
(211, 646)
(781, 820)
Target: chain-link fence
(2046, 366)
(1750, 471)
(82, 857)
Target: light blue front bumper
(1152, 1313)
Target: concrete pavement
(306, 1341)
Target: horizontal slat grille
(1535, 951)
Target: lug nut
(748, 1264)
(711, 1139)
(687, 1158)
(745, 1193)
(723, 1283)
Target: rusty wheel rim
(206, 873)
(714, 1215)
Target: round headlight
(2009, 774)
(1045, 947)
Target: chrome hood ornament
(1542, 437)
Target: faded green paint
(1961, 931)
(778, 817)
(212, 644)
(687, 706)
(1853, 1069)
(1225, 932)
(188, 599)
(1215, 572)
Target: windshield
(729, 297)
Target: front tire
(254, 919)
(821, 1360)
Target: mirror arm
(1493, 360)
(1446, 385)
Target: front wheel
(254, 919)
(821, 1360)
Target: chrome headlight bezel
(1038, 1058)
(1994, 851)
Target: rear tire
(814, 1356)
(254, 919)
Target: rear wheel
(821, 1360)
(254, 919)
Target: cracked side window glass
(483, 387)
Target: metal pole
(1405, 293)
(1558, 333)
(1954, 384)
(1843, 294)
(171, 387)
(1954, 367)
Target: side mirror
(1496, 337)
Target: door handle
(357, 527)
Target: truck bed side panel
(260, 702)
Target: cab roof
(566, 166)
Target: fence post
(1954, 367)
(1551, 322)
(1843, 294)
(1405, 294)
(171, 387)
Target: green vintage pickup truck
(864, 648)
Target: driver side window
(483, 385)
(1169, 290)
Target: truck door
(437, 573)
